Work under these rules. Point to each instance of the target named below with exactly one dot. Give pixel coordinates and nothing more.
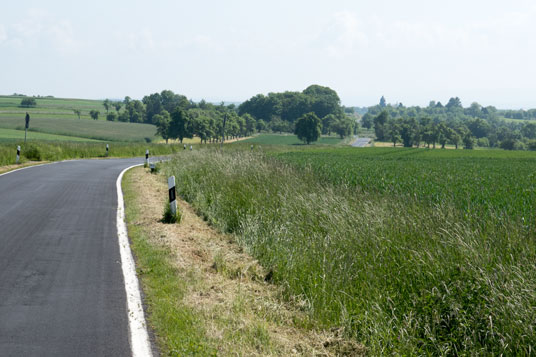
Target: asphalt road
(61, 285)
(361, 142)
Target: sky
(410, 51)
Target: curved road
(61, 285)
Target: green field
(18, 135)
(56, 116)
(277, 139)
(409, 251)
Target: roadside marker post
(18, 154)
(107, 149)
(190, 147)
(184, 146)
(147, 157)
(172, 195)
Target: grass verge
(203, 291)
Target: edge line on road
(138, 336)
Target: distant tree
(94, 114)
(328, 123)
(250, 124)
(343, 127)
(107, 104)
(111, 116)
(379, 122)
(529, 130)
(508, 144)
(261, 125)
(117, 106)
(392, 131)
(308, 128)
(78, 112)
(383, 103)
(28, 102)
(163, 125)
(367, 120)
(181, 125)
(468, 141)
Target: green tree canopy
(308, 128)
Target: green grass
(179, 328)
(55, 151)
(56, 116)
(410, 251)
(10, 135)
(91, 129)
(277, 139)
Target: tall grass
(54, 151)
(399, 275)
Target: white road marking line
(139, 337)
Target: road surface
(61, 285)
(361, 142)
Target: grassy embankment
(204, 295)
(409, 251)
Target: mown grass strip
(178, 328)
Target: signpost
(172, 195)
(27, 119)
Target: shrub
(28, 102)
(32, 152)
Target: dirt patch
(242, 313)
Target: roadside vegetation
(205, 296)
(406, 251)
(55, 151)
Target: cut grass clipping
(403, 272)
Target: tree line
(448, 124)
(177, 117)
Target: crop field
(276, 139)
(409, 251)
(91, 129)
(56, 116)
(18, 135)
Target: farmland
(12, 135)
(56, 116)
(275, 139)
(408, 251)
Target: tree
(261, 125)
(78, 112)
(308, 128)
(251, 123)
(28, 102)
(117, 106)
(392, 131)
(163, 125)
(529, 130)
(111, 116)
(367, 120)
(343, 127)
(328, 123)
(468, 141)
(94, 114)
(107, 104)
(383, 104)
(379, 122)
(181, 125)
